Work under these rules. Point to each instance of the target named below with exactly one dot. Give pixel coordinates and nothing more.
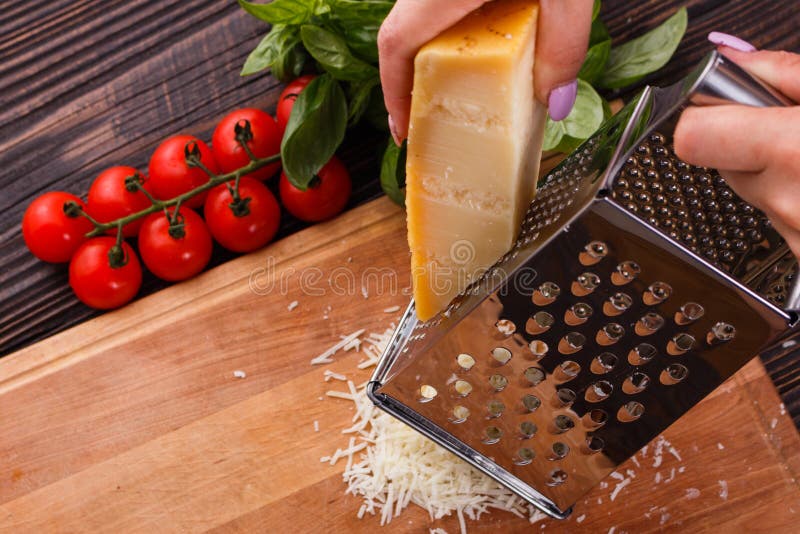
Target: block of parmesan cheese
(474, 145)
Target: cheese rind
(474, 146)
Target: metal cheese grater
(638, 284)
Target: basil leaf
(332, 53)
(584, 119)
(393, 172)
(595, 62)
(360, 94)
(281, 11)
(315, 130)
(639, 57)
(376, 113)
(598, 33)
(273, 48)
(356, 13)
(363, 42)
(595, 10)
(289, 64)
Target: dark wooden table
(87, 84)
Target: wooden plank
(134, 421)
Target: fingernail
(393, 130)
(731, 41)
(561, 100)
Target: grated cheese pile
(390, 465)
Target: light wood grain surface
(134, 420)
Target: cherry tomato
(169, 174)
(287, 98)
(109, 199)
(247, 231)
(325, 197)
(96, 283)
(175, 257)
(50, 234)
(266, 141)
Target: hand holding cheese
(563, 36)
(474, 144)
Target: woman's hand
(562, 39)
(757, 150)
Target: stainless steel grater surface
(638, 284)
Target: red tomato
(266, 141)
(249, 231)
(51, 234)
(169, 174)
(287, 98)
(175, 258)
(325, 197)
(109, 199)
(96, 283)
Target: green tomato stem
(158, 205)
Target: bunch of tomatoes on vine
(160, 209)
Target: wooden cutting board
(135, 421)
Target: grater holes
(539, 348)
(599, 391)
(546, 293)
(609, 334)
(495, 408)
(498, 382)
(595, 418)
(539, 323)
(584, 284)
(561, 423)
(501, 355)
(680, 344)
(603, 363)
(564, 398)
(593, 445)
(630, 411)
(673, 374)
(556, 478)
(530, 403)
(527, 429)
(720, 333)
(465, 361)
(534, 375)
(524, 456)
(648, 324)
(571, 343)
(617, 304)
(491, 435)
(657, 293)
(577, 314)
(567, 370)
(593, 253)
(689, 313)
(635, 383)
(559, 451)
(460, 414)
(505, 327)
(641, 354)
(462, 388)
(626, 272)
(427, 393)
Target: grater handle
(718, 80)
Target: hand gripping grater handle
(637, 285)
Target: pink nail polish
(562, 99)
(393, 130)
(731, 41)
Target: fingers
(409, 25)
(736, 138)
(779, 69)
(561, 43)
